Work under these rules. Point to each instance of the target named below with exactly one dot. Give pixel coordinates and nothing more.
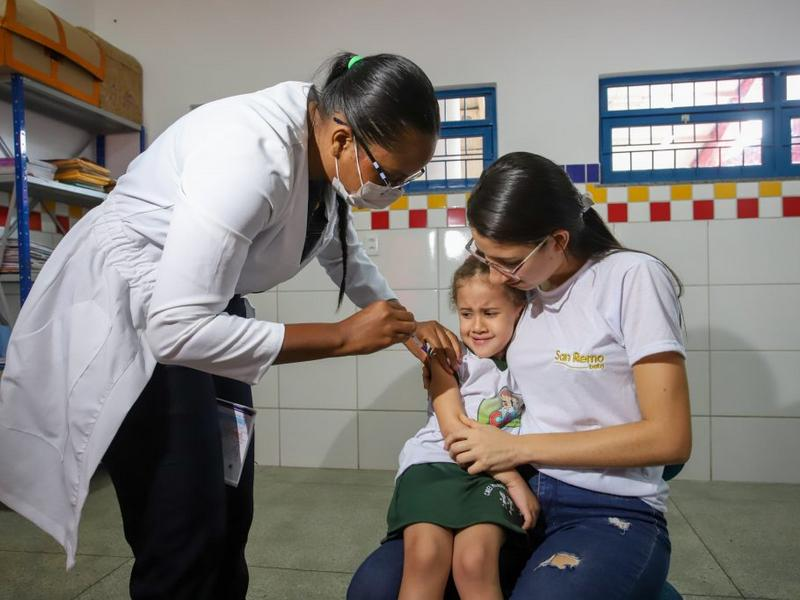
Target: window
(705, 126)
(467, 140)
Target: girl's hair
(522, 198)
(382, 97)
(472, 267)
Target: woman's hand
(442, 343)
(526, 501)
(482, 447)
(379, 325)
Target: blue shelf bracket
(21, 187)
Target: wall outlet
(371, 246)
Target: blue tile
(577, 173)
(593, 173)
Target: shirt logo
(576, 360)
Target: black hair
(472, 267)
(381, 96)
(522, 198)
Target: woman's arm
(662, 436)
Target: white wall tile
(602, 210)
(697, 369)
(703, 191)
(328, 383)
(319, 438)
(312, 278)
(695, 311)
(617, 194)
(265, 392)
(659, 193)
(699, 465)
(417, 202)
(754, 251)
(451, 252)
(638, 212)
(683, 246)
(747, 189)
(681, 210)
(770, 208)
(447, 316)
(390, 381)
(312, 307)
(266, 305)
(755, 317)
(725, 209)
(407, 257)
(753, 449)
(267, 437)
(381, 436)
(398, 219)
(763, 384)
(437, 217)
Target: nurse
(137, 323)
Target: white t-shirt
(572, 356)
(490, 397)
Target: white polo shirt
(573, 353)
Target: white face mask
(369, 195)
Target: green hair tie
(353, 61)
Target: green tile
(692, 568)
(315, 526)
(751, 529)
(282, 584)
(32, 575)
(114, 586)
(332, 476)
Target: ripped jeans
(587, 545)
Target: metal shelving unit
(26, 190)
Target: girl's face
(486, 316)
(549, 262)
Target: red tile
(791, 206)
(747, 208)
(64, 221)
(660, 211)
(35, 221)
(703, 210)
(380, 220)
(618, 213)
(3, 215)
(418, 218)
(456, 217)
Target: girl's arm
(663, 435)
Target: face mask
(369, 195)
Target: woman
(137, 322)
(599, 357)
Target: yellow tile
(400, 204)
(680, 192)
(770, 188)
(75, 212)
(638, 193)
(724, 190)
(51, 206)
(598, 194)
(437, 200)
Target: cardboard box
(121, 90)
(36, 43)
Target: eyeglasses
(378, 169)
(510, 274)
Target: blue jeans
(586, 544)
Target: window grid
(701, 126)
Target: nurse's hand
(375, 327)
(442, 343)
(482, 447)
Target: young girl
(446, 517)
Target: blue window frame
(467, 140)
(701, 126)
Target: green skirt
(446, 495)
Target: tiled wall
(742, 290)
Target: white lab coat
(216, 206)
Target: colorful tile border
(65, 214)
(617, 204)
